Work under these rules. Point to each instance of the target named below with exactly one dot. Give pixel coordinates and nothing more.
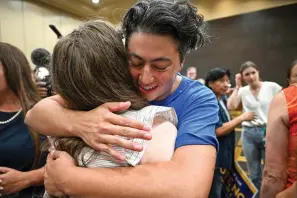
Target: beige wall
(216, 9)
(25, 25)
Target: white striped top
(92, 159)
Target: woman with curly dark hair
(158, 35)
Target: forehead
(294, 69)
(191, 70)
(225, 77)
(151, 46)
(249, 70)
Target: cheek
(246, 78)
(3, 83)
(165, 78)
(134, 73)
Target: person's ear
(181, 66)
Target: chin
(149, 98)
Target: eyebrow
(154, 60)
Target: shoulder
(278, 99)
(198, 102)
(271, 84)
(150, 113)
(244, 89)
(199, 92)
(278, 106)
(278, 102)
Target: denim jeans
(254, 151)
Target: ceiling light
(95, 1)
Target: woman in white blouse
(255, 97)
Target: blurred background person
(280, 171)
(255, 97)
(218, 81)
(192, 74)
(292, 73)
(20, 156)
(41, 59)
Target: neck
(255, 85)
(9, 102)
(176, 83)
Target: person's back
(85, 75)
(291, 100)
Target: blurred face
(3, 83)
(250, 75)
(192, 73)
(154, 63)
(220, 87)
(293, 77)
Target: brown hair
(17, 73)
(246, 65)
(90, 68)
(289, 71)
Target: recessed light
(95, 1)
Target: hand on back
(100, 128)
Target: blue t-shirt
(197, 111)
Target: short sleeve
(147, 116)
(198, 122)
(277, 88)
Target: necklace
(12, 118)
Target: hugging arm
(190, 168)
(96, 127)
(275, 170)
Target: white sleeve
(147, 116)
(277, 88)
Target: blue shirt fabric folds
(197, 110)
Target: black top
(17, 146)
(225, 156)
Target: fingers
(120, 142)
(50, 158)
(254, 115)
(117, 106)
(57, 154)
(130, 132)
(111, 151)
(127, 122)
(4, 170)
(42, 92)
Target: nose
(146, 77)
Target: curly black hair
(41, 57)
(216, 74)
(176, 18)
